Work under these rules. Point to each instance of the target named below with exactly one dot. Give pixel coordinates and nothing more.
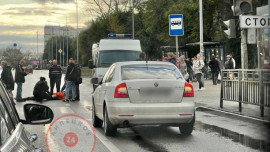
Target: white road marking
(106, 142)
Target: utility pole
(52, 45)
(37, 44)
(67, 40)
(51, 50)
(77, 33)
(201, 30)
(133, 31)
(63, 48)
(60, 47)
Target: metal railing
(246, 86)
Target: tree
(12, 56)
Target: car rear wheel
(187, 128)
(97, 123)
(109, 129)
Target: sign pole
(244, 57)
(60, 59)
(176, 28)
(176, 48)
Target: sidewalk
(210, 97)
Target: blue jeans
(71, 86)
(19, 91)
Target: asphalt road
(212, 132)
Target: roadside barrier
(246, 86)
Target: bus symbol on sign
(176, 25)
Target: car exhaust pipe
(126, 123)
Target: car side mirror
(94, 80)
(91, 64)
(37, 114)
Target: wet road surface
(212, 132)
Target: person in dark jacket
(41, 90)
(6, 76)
(78, 67)
(214, 65)
(19, 79)
(55, 74)
(228, 63)
(71, 78)
(189, 69)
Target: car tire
(97, 123)
(187, 128)
(109, 129)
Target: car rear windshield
(132, 72)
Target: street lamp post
(201, 30)
(63, 48)
(37, 44)
(67, 39)
(77, 33)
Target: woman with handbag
(198, 66)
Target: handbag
(186, 76)
(79, 80)
(219, 77)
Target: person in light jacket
(198, 64)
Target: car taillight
(121, 91)
(188, 92)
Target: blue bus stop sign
(176, 25)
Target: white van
(111, 50)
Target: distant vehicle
(117, 48)
(13, 136)
(143, 93)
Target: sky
(20, 20)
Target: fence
(246, 86)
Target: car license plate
(155, 92)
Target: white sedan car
(143, 93)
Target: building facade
(51, 31)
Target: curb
(235, 115)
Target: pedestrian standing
(214, 65)
(7, 77)
(229, 62)
(183, 66)
(229, 65)
(171, 58)
(71, 78)
(55, 75)
(20, 79)
(79, 80)
(233, 61)
(198, 64)
(189, 69)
